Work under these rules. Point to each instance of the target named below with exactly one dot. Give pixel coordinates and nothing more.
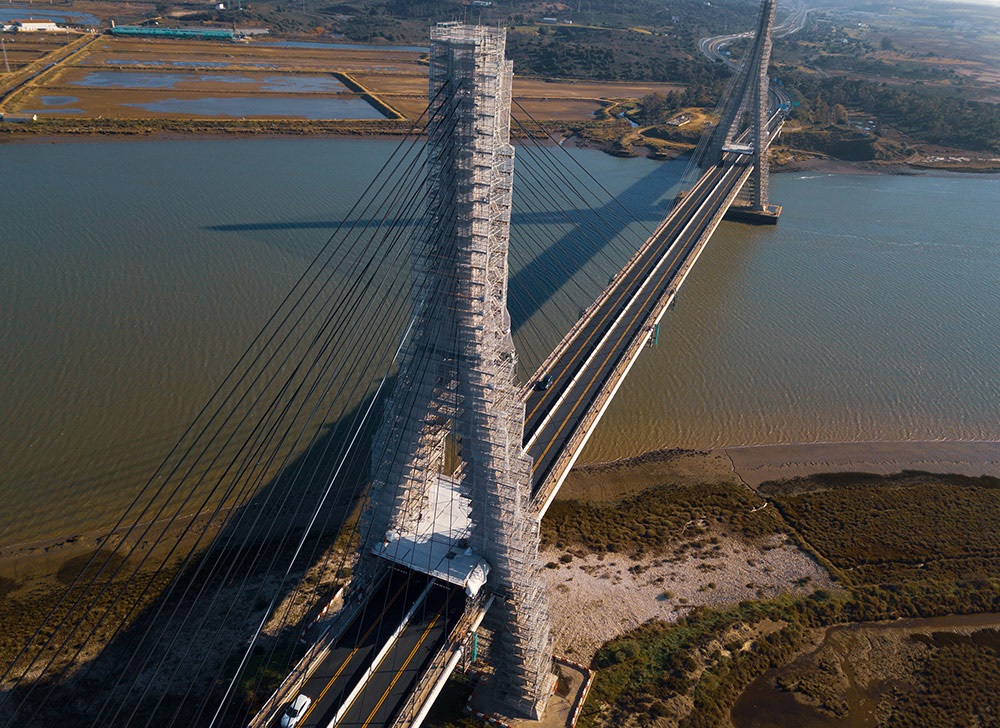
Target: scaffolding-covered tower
(749, 97)
(451, 482)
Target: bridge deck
(347, 685)
(589, 364)
(587, 368)
(398, 672)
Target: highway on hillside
(594, 349)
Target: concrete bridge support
(749, 98)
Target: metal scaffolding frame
(456, 391)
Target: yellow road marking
(350, 657)
(399, 672)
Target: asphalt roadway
(552, 415)
(350, 658)
(398, 673)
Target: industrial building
(155, 32)
(33, 26)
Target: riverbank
(877, 551)
(113, 130)
(920, 165)
(756, 464)
(709, 540)
(598, 596)
(611, 481)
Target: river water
(133, 274)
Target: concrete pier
(768, 216)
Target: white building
(35, 26)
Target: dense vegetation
(368, 20)
(888, 529)
(928, 117)
(641, 672)
(883, 541)
(651, 521)
(607, 55)
(961, 680)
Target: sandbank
(757, 464)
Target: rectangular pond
(265, 106)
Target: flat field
(136, 79)
(23, 49)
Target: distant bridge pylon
(749, 98)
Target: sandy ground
(756, 465)
(597, 598)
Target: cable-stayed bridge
(399, 677)
(464, 461)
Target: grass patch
(24, 612)
(651, 521)
(958, 684)
(84, 568)
(910, 526)
(7, 585)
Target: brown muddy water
(132, 275)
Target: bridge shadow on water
(537, 275)
(187, 643)
(593, 230)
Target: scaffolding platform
(438, 545)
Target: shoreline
(750, 465)
(823, 165)
(756, 464)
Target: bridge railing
(571, 450)
(435, 673)
(608, 291)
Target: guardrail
(415, 708)
(571, 450)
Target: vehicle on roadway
(294, 712)
(544, 383)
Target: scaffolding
(455, 412)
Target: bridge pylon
(749, 98)
(450, 489)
